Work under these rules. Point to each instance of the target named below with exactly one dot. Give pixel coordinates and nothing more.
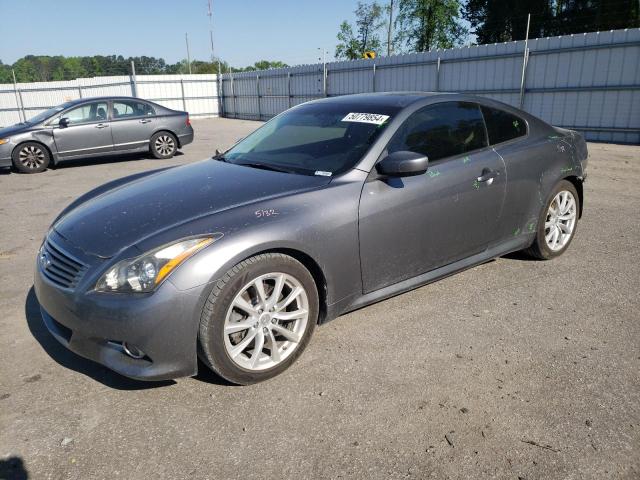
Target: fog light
(132, 351)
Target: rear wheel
(30, 157)
(258, 318)
(558, 222)
(163, 145)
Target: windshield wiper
(264, 166)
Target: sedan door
(411, 225)
(132, 124)
(84, 130)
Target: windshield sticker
(374, 118)
(322, 173)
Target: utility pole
(390, 30)
(210, 15)
(186, 39)
(524, 61)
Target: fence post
(438, 75)
(184, 102)
(220, 92)
(132, 79)
(233, 98)
(80, 90)
(18, 95)
(258, 92)
(373, 78)
(289, 89)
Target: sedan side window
(502, 126)
(131, 108)
(441, 130)
(90, 112)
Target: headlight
(3, 141)
(144, 273)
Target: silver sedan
(94, 127)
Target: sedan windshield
(47, 114)
(313, 139)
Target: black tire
(211, 337)
(30, 157)
(163, 145)
(539, 249)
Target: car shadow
(70, 360)
(13, 468)
(125, 157)
(206, 375)
(521, 256)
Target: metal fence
(197, 94)
(588, 82)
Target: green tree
(366, 35)
(503, 20)
(422, 25)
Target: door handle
(102, 125)
(488, 176)
(145, 120)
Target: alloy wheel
(165, 145)
(560, 221)
(266, 321)
(32, 157)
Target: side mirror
(63, 122)
(403, 164)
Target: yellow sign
(370, 55)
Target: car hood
(14, 129)
(127, 214)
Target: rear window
(502, 126)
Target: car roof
(105, 98)
(386, 99)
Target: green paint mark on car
(466, 159)
(476, 184)
(517, 232)
(433, 173)
(566, 169)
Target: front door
(87, 131)
(411, 225)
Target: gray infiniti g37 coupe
(330, 206)
(93, 127)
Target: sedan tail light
(188, 123)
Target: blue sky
(244, 30)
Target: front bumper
(163, 325)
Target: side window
(441, 130)
(90, 112)
(131, 108)
(502, 126)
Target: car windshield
(313, 139)
(47, 114)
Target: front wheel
(163, 145)
(558, 222)
(258, 318)
(30, 157)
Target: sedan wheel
(258, 318)
(561, 219)
(163, 145)
(30, 157)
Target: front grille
(59, 266)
